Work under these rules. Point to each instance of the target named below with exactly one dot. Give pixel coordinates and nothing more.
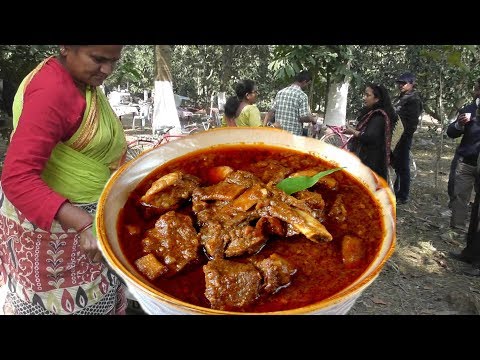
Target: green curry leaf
(299, 183)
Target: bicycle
(209, 123)
(190, 129)
(140, 143)
(334, 135)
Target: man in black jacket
(465, 172)
(469, 108)
(409, 107)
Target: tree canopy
(200, 71)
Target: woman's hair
(244, 87)
(384, 102)
(231, 106)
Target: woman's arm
(44, 122)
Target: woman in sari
(65, 145)
(373, 133)
(247, 112)
(230, 111)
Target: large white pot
(129, 175)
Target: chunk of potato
(150, 266)
(353, 250)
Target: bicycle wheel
(333, 139)
(413, 166)
(136, 148)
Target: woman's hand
(463, 118)
(88, 243)
(351, 131)
(71, 216)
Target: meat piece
(338, 210)
(248, 199)
(161, 184)
(228, 235)
(312, 199)
(243, 178)
(150, 266)
(206, 210)
(300, 220)
(174, 240)
(231, 285)
(269, 171)
(245, 239)
(222, 191)
(214, 239)
(353, 250)
(276, 272)
(287, 199)
(271, 226)
(170, 191)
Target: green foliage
(136, 69)
(200, 71)
(331, 62)
(455, 65)
(16, 61)
(299, 183)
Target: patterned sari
(47, 272)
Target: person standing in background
(409, 107)
(290, 107)
(466, 125)
(470, 108)
(373, 134)
(230, 112)
(247, 112)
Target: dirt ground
(420, 278)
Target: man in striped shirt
(290, 107)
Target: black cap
(407, 77)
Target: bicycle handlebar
(163, 130)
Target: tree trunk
(310, 95)
(442, 123)
(163, 58)
(228, 54)
(336, 110)
(327, 86)
(164, 109)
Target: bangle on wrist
(84, 228)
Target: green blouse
(250, 116)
